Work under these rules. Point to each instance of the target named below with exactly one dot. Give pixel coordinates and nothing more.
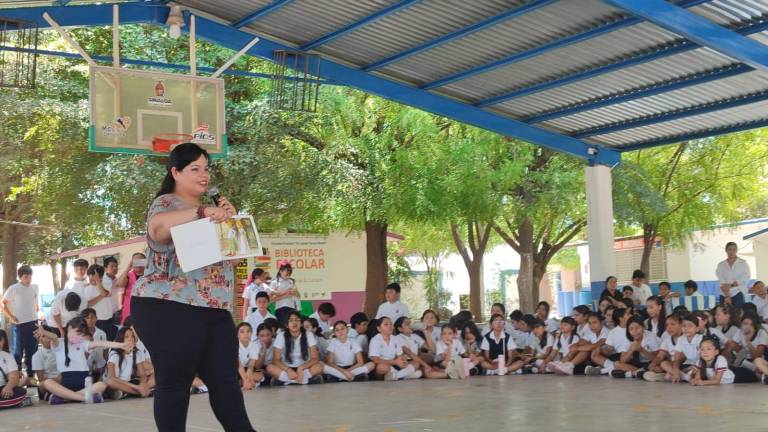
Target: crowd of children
(78, 361)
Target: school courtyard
(540, 403)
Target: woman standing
(183, 318)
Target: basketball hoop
(295, 81)
(165, 142)
(18, 53)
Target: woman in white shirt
(734, 275)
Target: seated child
(386, 351)
(359, 331)
(125, 375)
(559, 359)
(312, 326)
(713, 369)
(450, 353)
(636, 357)
(412, 344)
(538, 349)
(296, 359)
(44, 364)
(11, 393)
(344, 360)
(324, 314)
(496, 345)
(260, 313)
(248, 354)
(265, 353)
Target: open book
(202, 242)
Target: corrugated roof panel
(230, 10)
(523, 33)
(615, 46)
(422, 22)
(663, 69)
(724, 89)
(725, 12)
(302, 21)
(688, 125)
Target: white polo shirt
(294, 358)
(344, 353)
(57, 307)
(255, 319)
(535, 343)
(413, 341)
(268, 353)
(760, 339)
(392, 310)
(325, 326)
(441, 350)
(23, 301)
(641, 293)
(566, 342)
(721, 365)
(77, 359)
(378, 347)
(739, 272)
(109, 284)
(7, 364)
(617, 338)
(248, 353)
(123, 370)
(690, 348)
(762, 305)
(104, 307)
(280, 287)
(44, 360)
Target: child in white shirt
(344, 360)
(392, 308)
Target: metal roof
(589, 77)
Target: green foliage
(567, 258)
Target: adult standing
(127, 280)
(21, 307)
(611, 291)
(184, 318)
(734, 275)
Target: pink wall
(346, 303)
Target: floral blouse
(211, 286)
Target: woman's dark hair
(120, 337)
(472, 329)
(494, 316)
(316, 325)
(582, 309)
(748, 308)
(399, 323)
(373, 328)
(662, 326)
(430, 311)
(618, 314)
(628, 303)
(572, 323)
(4, 338)
(733, 318)
(545, 336)
(597, 315)
(77, 323)
(289, 338)
(263, 326)
(181, 156)
(714, 340)
(608, 279)
(757, 324)
(635, 320)
(285, 266)
(500, 305)
(546, 306)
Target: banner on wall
(241, 279)
(308, 257)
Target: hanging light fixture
(175, 21)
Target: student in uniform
(248, 354)
(657, 315)
(580, 314)
(666, 295)
(667, 348)
(431, 334)
(513, 327)
(750, 341)
(72, 363)
(713, 369)
(591, 339)
(97, 360)
(284, 293)
(509, 325)
(75, 285)
(539, 348)
(761, 369)
(692, 290)
(542, 313)
(686, 350)
(265, 352)
(257, 285)
(100, 300)
(143, 357)
(11, 393)
(296, 359)
(324, 316)
(639, 353)
(20, 305)
(760, 299)
(616, 342)
(608, 321)
(559, 360)
(499, 344)
(358, 331)
(44, 365)
(260, 312)
(344, 361)
(124, 375)
(412, 345)
(392, 307)
(726, 327)
(386, 352)
(312, 326)
(471, 339)
(450, 353)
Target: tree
(668, 192)
(431, 244)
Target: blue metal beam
(643, 92)
(698, 29)
(229, 37)
(756, 124)
(673, 115)
(547, 47)
(681, 47)
(162, 65)
(402, 4)
(253, 16)
(130, 13)
(466, 31)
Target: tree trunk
(63, 273)
(539, 272)
(376, 266)
(527, 291)
(10, 258)
(649, 236)
(54, 275)
(476, 295)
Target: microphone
(213, 193)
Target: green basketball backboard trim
(92, 147)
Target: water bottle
(88, 390)
(501, 365)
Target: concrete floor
(541, 403)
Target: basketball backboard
(147, 112)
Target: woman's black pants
(186, 341)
